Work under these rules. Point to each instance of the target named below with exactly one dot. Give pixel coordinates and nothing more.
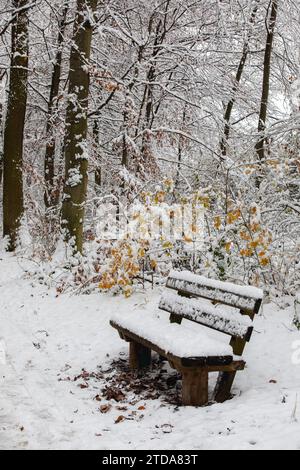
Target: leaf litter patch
(120, 387)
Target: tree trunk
(1, 128)
(13, 205)
(98, 170)
(146, 159)
(238, 77)
(271, 23)
(51, 196)
(180, 150)
(76, 162)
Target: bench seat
(182, 346)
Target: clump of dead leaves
(122, 389)
(123, 384)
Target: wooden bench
(224, 307)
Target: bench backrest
(245, 298)
(231, 310)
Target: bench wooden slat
(207, 360)
(231, 323)
(245, 298)
(211, 364)
(178, 340)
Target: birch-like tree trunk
(76, 160)
(13, 205)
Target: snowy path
(27, 396)
(49, 339)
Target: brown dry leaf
(83, 386)
(112, 393)
(141, 408)
(120, 419)
(105, 408)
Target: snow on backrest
(242, 297)
(227, 320)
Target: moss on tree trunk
(76, 176)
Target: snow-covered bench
(224, 307)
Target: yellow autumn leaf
(153, 264)
(255, 227)
(247, 253)
(233, 216)
(244, 235)
(218, 222)
(159, 197)
(228, 246)
(141, 253)
(128, 292)
(265, 261)
(167, 245)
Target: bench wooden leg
(223, 387)
(226, 379)
(194, 387)
(139, 356)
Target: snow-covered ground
(48, 340)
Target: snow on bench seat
(171, 338)
(221, 318)
(242, 297)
